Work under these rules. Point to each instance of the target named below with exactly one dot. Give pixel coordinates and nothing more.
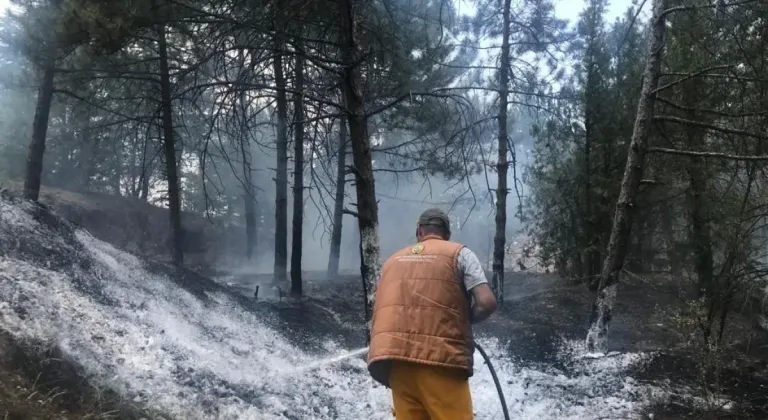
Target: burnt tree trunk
(169, 149)
(602, 310)
(367, 208)
(500, 238)
(298, 178)
(34, 171)
(249, 192)
(338, 207)
(281, 177)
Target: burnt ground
(540, 311)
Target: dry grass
(38, 383)
(21, 399)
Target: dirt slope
(141, 228)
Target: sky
(570, 9)
(565, 9)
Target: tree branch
(691, 76)
(712, 127)
(716, 155)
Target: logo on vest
(417, 249)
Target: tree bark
(338, 208)
(281, 177)
(298, 179)
(602, 309)
(500, 238)
(169, 148)
(367, 208)
(34, 171)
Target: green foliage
(579, 150)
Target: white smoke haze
(402, 196)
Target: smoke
(402, 196)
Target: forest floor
(542, 311)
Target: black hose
(495, 380)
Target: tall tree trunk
(575, 263)
(86, 157)
(117, 176)
(88, 169)
(146, 165)
(249, 192)
(587, 231)
(298, 179)
(700, 235)
(338, 207)
(36, 152)
(281, 177)
(500, 238)
(169, 148)
(146, 171)
(367, 207)
(250, 211)
(134, 167)
(589, 235)
(700, 238)
(589, 224)
(602, 310)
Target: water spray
(477, 346)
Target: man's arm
(485, 303)
(477, 284)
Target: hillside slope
(140, 227)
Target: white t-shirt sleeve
(470, 269)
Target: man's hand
(485, 303)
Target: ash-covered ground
(185, 347)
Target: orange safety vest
(422, 311)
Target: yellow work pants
(423, 392)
